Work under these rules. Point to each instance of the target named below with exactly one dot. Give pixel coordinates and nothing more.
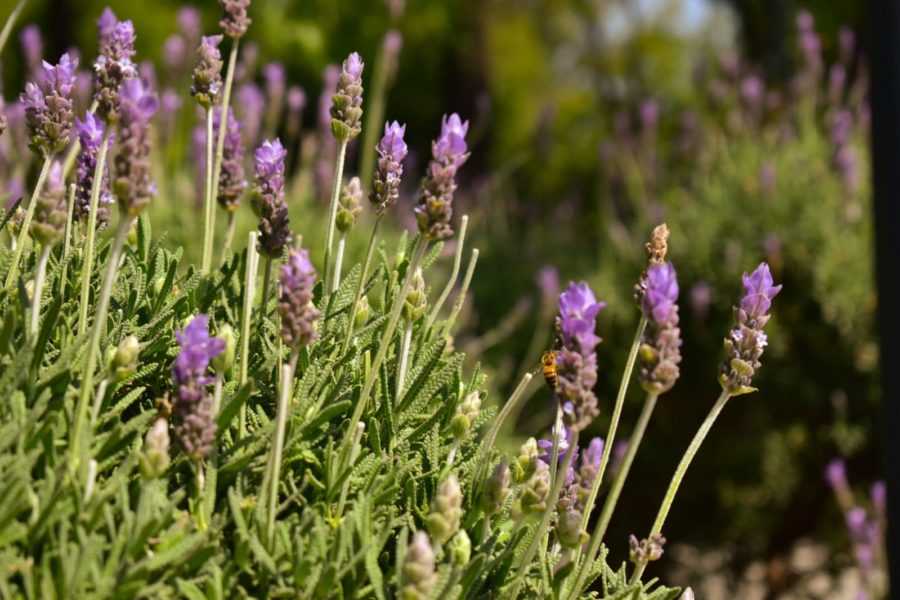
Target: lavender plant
(336, 446)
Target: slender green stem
(220, 139)
(467, 280)
(278, 447)
(67, 236)
(339, 260)
(385, 341)
(517, 396)
(97, 328)
(199, 488)
(404, 357)
(609, 505)
(26, 224)
(552, 497)
(229, 236)
(614, 422)
(264, 300)
(88, 265)
(38, 289)
(680, 471)
(361, 283)
(457, 261)
(208, 225)
(354, 453)
(246, 318)
(375, 98)
(10, 21)
(332, 211)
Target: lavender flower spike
(434, 206)
(133, 186)
(660, 351)
(267, 200)
(48, 107)
(90, 134)
(745, 343)
(207, 78)
(114, 65)
(195, 424)
(346, 104)
(234, 17)
(577, 361)
(298, 315)
(231, 178)
(391, 150)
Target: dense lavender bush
(223, 430)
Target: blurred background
(743, 125)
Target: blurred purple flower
(133, 185)
(90, 135)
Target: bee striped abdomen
(548, 360)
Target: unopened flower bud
(350, 206)
(496, 489)
(526, 462)
(417, 577)
(646, 550)
(569, 531)
(460, 549)
(687, 594)
(465, 416)
(157, 284)
(223, 362)
(29, 289)
(123, 358)
(361, 315)
(534, 492)
(446, 511)
(416, 300)
(154, 458)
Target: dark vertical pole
(885, 61)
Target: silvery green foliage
(132, 531)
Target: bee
(164, 406)
(548, 364)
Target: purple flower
(846, 44)
(546, 445)
(759, 290)
(48, 107)
(648, 113)
(701, 297)
(234, 17)
(577, 361)
(195, 424)
(276, 78)
(189, 22)
(298, 315)
(660, 352)
(250, 107)
(132, 185)
(391, 45)
(105, 25)
(879, 499)
(662, 293)
(590, 464)
(32, 48)
(434, 205)
(578, 310)
(836, 474)
(231, 177)
(90, 135)
(207, 79)
(296, 99)
(346, 104)
(391, 150)
(267, 200)
(752, 91)
(174, 53)
(745, 343)
(114, 65)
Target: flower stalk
(26, 223)
(91, 230)
(38, 288)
